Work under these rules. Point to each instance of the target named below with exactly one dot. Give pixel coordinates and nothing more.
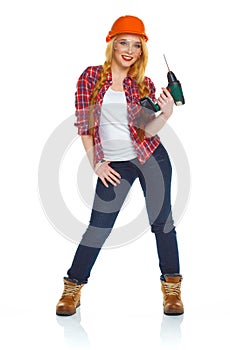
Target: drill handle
(147, 102)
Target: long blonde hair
(137, 72)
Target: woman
(122, 145)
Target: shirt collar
(128, 80)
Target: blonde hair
(137, 72)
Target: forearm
(87, 141)
(153, 127)
(166, 103)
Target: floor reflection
(74, 334)
(170, 333)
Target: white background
(45, 45)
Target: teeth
(127, 58)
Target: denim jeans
(155, 179)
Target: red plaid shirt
(85, 86)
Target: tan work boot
(172, 295)
(70, 299)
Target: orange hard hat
(129, 25)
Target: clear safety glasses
(127, 45)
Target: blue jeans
(155, 179)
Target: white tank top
(114, 129)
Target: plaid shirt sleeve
(85, 86)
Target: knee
(95, 236)
(102, 219)
(163, 226)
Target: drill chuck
(171, 77)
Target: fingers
(113, 176)
(165, 96)
(107, 174)
(166, 103)
(112, 179)
(115, 173)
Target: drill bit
(166, 63)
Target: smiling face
(127, 50)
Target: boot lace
(172, 288)
(70, 290)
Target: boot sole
(174, 313)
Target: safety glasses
(127, 45)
